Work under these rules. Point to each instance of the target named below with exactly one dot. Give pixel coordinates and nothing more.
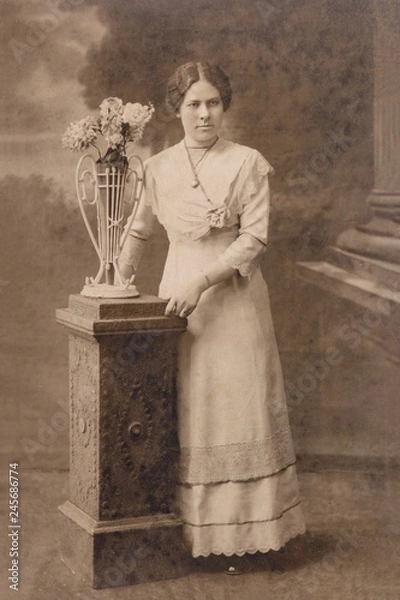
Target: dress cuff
(244, 254)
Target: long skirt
(238, 490)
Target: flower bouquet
(118, 125)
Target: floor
(351, 548)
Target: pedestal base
(120, 553)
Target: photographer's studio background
(302, 75)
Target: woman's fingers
(170, 308)
(184, 302)
(177, 309)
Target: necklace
(216, 216)
(196, 167)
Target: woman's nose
(204, 112)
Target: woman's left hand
(184, 301)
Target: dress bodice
(230, 176)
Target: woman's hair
(189, 73)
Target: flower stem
(94, 146)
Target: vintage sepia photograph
(200, 299)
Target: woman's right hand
(126, 269)
(184, 301)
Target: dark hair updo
(189, 73)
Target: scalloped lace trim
(245, 268)
(252, 550)
(245, 538)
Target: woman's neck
(190, 143)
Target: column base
(124, 552)
(380, 247)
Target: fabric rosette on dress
(218, 216)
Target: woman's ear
(178, 114)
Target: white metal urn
(114, 190)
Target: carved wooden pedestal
(118, 526)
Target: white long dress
(238, 488)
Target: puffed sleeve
(150, 189)
(254, 201)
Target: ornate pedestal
(118, 526)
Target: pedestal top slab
(102, 316)
(119, 308)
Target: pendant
(194, 183)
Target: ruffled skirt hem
(259, 537)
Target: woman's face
(201, 113)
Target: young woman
(238, 487)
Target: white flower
(80, 135)
(111, 107)
(113, 139)
(111, 110)
(118, 124)
(218, 216)
(136, 114)
(134, 134)
(111, 126)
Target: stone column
(364, 265)
(118, 526)
(379, 240)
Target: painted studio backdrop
(302, 73)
